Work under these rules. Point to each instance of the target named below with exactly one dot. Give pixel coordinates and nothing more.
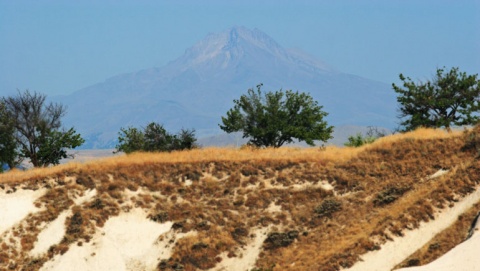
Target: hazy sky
(57, 47)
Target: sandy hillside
(402, 201)
(463, 257)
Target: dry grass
(381, 190)
(324, 155)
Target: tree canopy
(450, 98)
(154, 137)
(275, 118)
(36, 130)
(8, 145)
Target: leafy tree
(55, 146)
(451, 98)
(154, 137)
(130, 140)
(185, 139)
(276, 118)
(37, 128)
(8, 145)
(157, 138)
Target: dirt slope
(225, 209)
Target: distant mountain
(196, 89)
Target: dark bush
(159, 217)
(97, 204)
(328, 207)
(199, 245)
(276, 239)
(86, 181)
(389, 195)
(75, 225)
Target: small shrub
(262, 269)
(413, 262)
(239, 233)
(97, 204)
(178, 225)
(389, 195)
(159, 217)
(276, 239)
(359, 140)
(170, 265)
(199, 245)
(75, 225)
(248, 170)
(194, 175)
(86, 181)
(472, 140)
(328, 207)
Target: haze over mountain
(196, 89)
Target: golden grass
(191, 156)
(327, 154)
(418, 134)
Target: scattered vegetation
(223, 194)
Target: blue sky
(57, 47)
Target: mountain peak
(239, 43)
(231, 44)
(255, 37)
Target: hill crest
(289, 208)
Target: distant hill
(197, 88)
(340, 137)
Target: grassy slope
(380, 190)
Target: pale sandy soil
(14, 207)
(246, 256)
(53, 232)
(394, 252)
(126, 242)
(131, 241)
(51, 235)
(464, 257)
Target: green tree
(154, 137)
(451, 98)
(8, 145)
(130, 140)
(55, 146)
(157, 138)
(185, 139)
(276, 118)
(37, 128)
